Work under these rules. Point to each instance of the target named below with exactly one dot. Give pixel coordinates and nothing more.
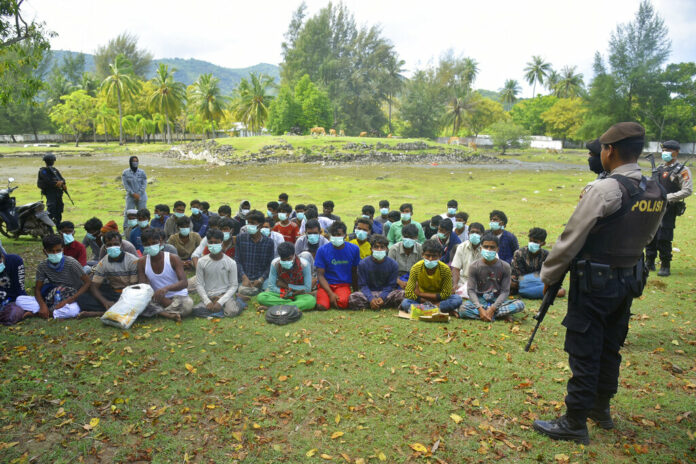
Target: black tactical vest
(665, 178)
(619, 239)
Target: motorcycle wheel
(3, 229)
(46, 230)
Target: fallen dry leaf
(336, 435)
(456, 418)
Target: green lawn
(336, 386)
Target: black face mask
(595, 163)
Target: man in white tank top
(164, 272)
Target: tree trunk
(390, 111)
(77, 139)
(169, 129)
(94, 131)
(106, 133)
(120, 117)
(534, 89)
(212, 127)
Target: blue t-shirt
(135, 238)
(338, 263)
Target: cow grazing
(363, 134)
(332, 132)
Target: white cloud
(501, 35)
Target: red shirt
(289, 232)
(76, 250)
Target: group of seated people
(287, 256)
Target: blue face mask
(143, 224)
(666, 156)
(68, 238)
(265, 231)
(409, 242)
(430, 264)
(286, 264)
(458, 225)
(282, 216)
(2, 267)
(113, 251)
(361, 234)
(384, 211)
(494, 225)
(152, 250)
(157, 216)
(379, 255)
(132, 222)
(365, 216)
(269, 213)
(179, 215)
(405, 216)
(225, 236)
(488, 255)
(300, 216)
(252, 229)
(441, 236)
(451, 211)
(313, 239)
(184, 231)
(195, 211)
(475, 239)
(214, 248)
(89, 236)
(533, 247)
(337, 241)
(55, 258)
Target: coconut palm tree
(551, 80)
(469, 71)
(123, 83)
(393, 81)
(509, 92)
(536, 71)
(457, 108)
(252, 101)
(168, 96)
(207, 99)
(105, 117)
(570, 84)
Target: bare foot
(261, 308)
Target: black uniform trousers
(597, 325)
(662, 242)
(54, 204)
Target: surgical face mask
(366, 216)
(68, 238)
(132, 222)
(441, 236)
(152, 250)
(113, 251)
(225, 236)
(666, 156)
(269, 213)
(286, 264)
(252, 229)
(494, 225)
(458, 225)
(300, 216)
(214, 248)
(451, 211)
(337, 241)
(89, 236)
(134, 165)
(409, 242)
(143, 224)
(533, 247)
(430, 264)
(475, 239)
(384, 211)
(2, 267)
(361, 234)
(55, 257)
(195, 211)
(488, 255)
(184, 231)
(313, 239)
(282, 216)
(595, 163)
(265, 231)
(379, 255)
(157, 216)
(179, 215)
(405, 216)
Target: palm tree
(552, 79)
(457, 108)
(536, 70)
(146, 127)
(168, 95)
(569, 84)
(508, 94)
(253, 100)
(124, 84)
(105, 117)
(207, 98)
(393, 82)
(469, 71)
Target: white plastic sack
(126, 310)
(68, 311)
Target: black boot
(601, 414)
(664, 269)
(650, 263)
(564, 428)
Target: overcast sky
(501, 35)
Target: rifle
(549, 298)
(65, 189)
(650, 157)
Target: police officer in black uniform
(52, 186)
(676, 179)
(602, 245)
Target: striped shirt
(118, 274)
(70, 276)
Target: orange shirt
(289, 232)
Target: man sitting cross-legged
(489, 285)
(253, 254)
(289, 281)
(406, 253)
(430, 280)
(467, 252)
(110, 276)
(164, 272)
(185, 241)
(377, 277)
(337, 269)
(526, 266)
(217, 280)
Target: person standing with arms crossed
(135, 182)
(602, 244)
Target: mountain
(188, 70)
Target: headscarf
(111, 225)
(239, 213)
(130, 163)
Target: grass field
(336, 386)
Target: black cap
(594, 146)
(49, 157)
(671, 145)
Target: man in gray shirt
(135, 182)
(406, 253)
(217, 281)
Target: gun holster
(679, 208)
(592, 277)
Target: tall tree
(564, 118)
(127, 45)
(570, 84)
(509, 92)
(252, 100)
(75, 115)
(536, 71)
(168, 96)
(207, 99)
(422, 105)
(393, 83)
(122, 84)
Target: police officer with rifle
(602, 248)
(52, 186)
(676, 179)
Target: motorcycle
(30, 219)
